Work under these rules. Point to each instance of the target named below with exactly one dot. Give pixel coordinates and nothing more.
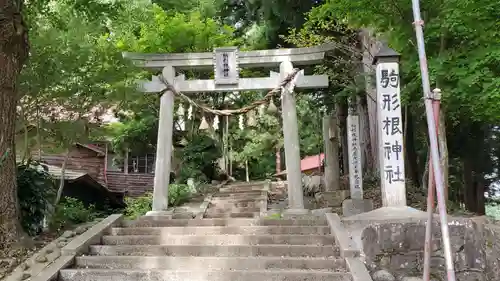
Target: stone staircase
(246, 200)
(230, 244)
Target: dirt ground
(12, 256)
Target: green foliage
(271, 18)
(138, 135)
(258, 145)
(199, 158)
(139, 206)
(71, 211)
(275, 216)
(493, 210)
(159, 31)
(341, 64)
(36, 193)
(178, 194)
(74, 74)
(460, 63)
(463, 61)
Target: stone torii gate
(226, 63)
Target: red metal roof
(311, 162)
(308, 163)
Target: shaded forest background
(74, 74)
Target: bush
(199, 158)
(178, 194)
(139, 206)
(36, 193)
(493, 209)
(71, 211)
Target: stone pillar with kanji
(356, 204)
(390, 128)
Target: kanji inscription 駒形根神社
(392, 171)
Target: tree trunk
(341, 113)
(480, 162)
(26, 148)
(368, 165)
(63, 176)
(331, 167)
(443, 152)
(370, 47)
(410, 152)
(13, 52)
(278, 160)
(469, 192)
(52, 209)
(442, 140)
(38, 136)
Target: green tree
(74, 73)
(159, 33)
(264, 21)
(13, 53)
(461, 42)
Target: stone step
(216, 275)
(245, 204)
(215, 251)
(219, 240)
(214, 230)
(246, 194)
(213, 263)
(217, 209)
(152, 221)
(236, 200)
(215, 214)
(237, 189)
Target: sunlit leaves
(74, 72)
(461, 38)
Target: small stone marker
(357, 204)
(355, 169)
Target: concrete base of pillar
(351, 207)
(321, 212)
(293, 213)
(332, 198)
(160, 214)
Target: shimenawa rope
(228, 112)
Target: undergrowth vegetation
(36, 194)
(493, 209)
(70, 212)
(139, 206)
